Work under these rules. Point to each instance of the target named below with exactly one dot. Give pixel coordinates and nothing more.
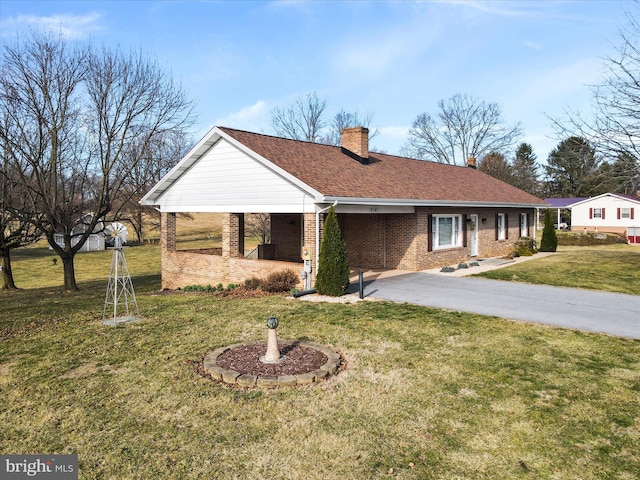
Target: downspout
(318, 232)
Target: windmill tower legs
(120, 293)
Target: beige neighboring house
(394, 212)
(610, 213)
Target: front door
(473, 240)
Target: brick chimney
(356, 141)
(471, 162)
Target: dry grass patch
(426, 393)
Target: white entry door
(473, 240)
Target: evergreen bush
(549, 242)
(333, 268)
(525, 247)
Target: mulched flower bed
(246, 359)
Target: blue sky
(240, 59)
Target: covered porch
(230, 263)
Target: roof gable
(631, 198)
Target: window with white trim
(501, 227)
(447, 231)
(524, 225)
(625, 213)
(597, 213)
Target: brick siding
(393, 241)
(286, 235)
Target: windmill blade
(119, 231)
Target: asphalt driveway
(611, 313)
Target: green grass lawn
(425, 394)
(611, 268)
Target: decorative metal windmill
(120, 288)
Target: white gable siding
(227, 179)
(580, 214)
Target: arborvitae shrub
(549, 242)
(333, 268)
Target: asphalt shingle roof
(330, 171)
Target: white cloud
(68, 26)
(251, 117)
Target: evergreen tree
(333, 268)
(525, 170)
(573, 169)
(549, 242)
(622, 175)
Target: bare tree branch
(464, 127)
(614, 129)
(302, 120)
(71, 120)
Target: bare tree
(161, 153)
(258, 226)
(614, 129)
(40, 130)
(463, 127)
(344, 119)
(70, 118)
(303, 120)
(16, 227)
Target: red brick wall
(380, 241)
(286, 235)
(373, 241)
(182, 268)
(401, 241)
(364, 236)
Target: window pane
(445, 231)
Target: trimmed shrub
(282, 281)
(549, 242)
(333, 268)
(580, 239)
(525, 247)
